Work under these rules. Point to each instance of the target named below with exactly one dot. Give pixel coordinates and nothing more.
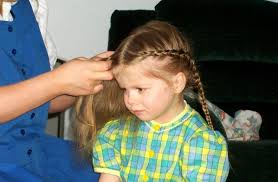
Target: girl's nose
(131, 97)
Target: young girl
(160, 137)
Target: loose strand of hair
(85, 124)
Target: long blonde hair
(93, 111)
(156, 39)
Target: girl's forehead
(131, 76)
(146, 65)
(128, 70)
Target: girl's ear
(179, 82)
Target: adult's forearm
(16, 99)
(61, 103)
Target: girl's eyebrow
(144, 85)
(136, 86)
(141, 86)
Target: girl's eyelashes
(139, 89)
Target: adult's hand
(78, 77)
(83, 76)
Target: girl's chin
(142, 117)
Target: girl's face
(148, 97)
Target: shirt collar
(179, 119)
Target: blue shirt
(26, 152)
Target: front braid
(168, 52)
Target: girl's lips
(137, 111)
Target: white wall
(80, 28)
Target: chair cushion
(226, 30)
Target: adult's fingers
(97, 88)
(99, 66)
(105, 54)
(104, 75)
(102, 56)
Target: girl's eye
(140, 89)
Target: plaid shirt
(184, 149)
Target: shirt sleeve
(106, 150)
(205, 157)
(41, 13)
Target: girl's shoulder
(110, 127)
(196, 121)
(198, 127)
(113, 127)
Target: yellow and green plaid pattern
(184, 149)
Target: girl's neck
(176, 108)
